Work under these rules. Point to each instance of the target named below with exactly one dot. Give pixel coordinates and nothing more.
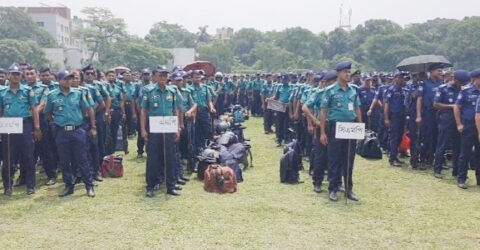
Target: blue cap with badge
(462, 76)
(343, 66)
(475, 73)
(64, 75)
(330, 76)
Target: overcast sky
(316, 15)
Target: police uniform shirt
(188, 101)
(366, 96)
(267, 90)
(341, 104)
(159, 102)
(395, 97)
(446, 94)
(228, 87)
(468, 100)
(67, 109)
(117, 94)
(257, 85)
(411, 94)
(129, 89)
(242, 85)
(178, 94)
(379, 94)
(19, 104)
(305, 94)
(201, 95)
(94, 95)
(314, 101)
(41, 91)
(427, 92)
(283, 93)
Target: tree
(462, 44)
(273, 58)
(221, 55)
(243, 42)
(166, 35)
(103, 29)
(203, 36)
(15, 24)
(338, 43)
(384, 52)
(12, 50)
(137, 54)
(432, 31)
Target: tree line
(376, 45)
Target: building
(182, 56)
(57, 21)
(224, 34)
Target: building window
(41, 24)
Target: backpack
(112, 166)
(289, 167)
(238, 114)
(229, 159)
(207, 157)
(296, 155)
(369, 147)
(220, 179)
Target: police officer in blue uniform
(267, 92)
(19, 101)
(394, 115)
(117, 110)
(160, 100)
(282, 94)
(366, 93)
(137, 94)
(465, 110)
(426, 114)
(375, 113)
(448, 136)
(340, 104)
(67, 105)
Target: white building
(182, 56)
(58, 23)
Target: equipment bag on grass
(112, 166)
(220, 179)
(369, 147)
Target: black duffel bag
(369, 147)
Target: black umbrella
(422, 62)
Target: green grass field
(399, 209)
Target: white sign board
(163, 124)
(276, 105)
(11, 125)
(350, 130)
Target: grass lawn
(399, 209)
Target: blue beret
(285, 77)
(343, 65)
(475, 73)
(462, 76)
(329, 76)
(64, 74)
(318, 77)
(177, 76)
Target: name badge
(350, 106)
(155, 105)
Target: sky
(315, 15)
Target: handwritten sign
(163, 124)
(11, 125)
(350, 130)
(276, 105)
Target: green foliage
(137, 54)
(15, 24)
(462, 44)
(103, 30)
(165, 35)
(13, 50)
(221, 55)
(273, 58)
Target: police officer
(340, 104)
(426, 113)
(18, 100)
(282, 94)
(411, 95)
(366, 93)
(203, 98)
(3, 77)
(102, 117)
(160, 100)
(117, 110)
(242, 91)
(448, 135)
(257, 85)
(394, 115)
(67, 105)
(267, 92)
(372, 113)
(312, 110)
(131, 117)
(465, 110)
(139, 88)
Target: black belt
(68, 127)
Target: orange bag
(405, 145)
(220, 179)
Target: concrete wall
(182, 56)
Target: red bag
(220, 179)
(405, 145)
(112, 166)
